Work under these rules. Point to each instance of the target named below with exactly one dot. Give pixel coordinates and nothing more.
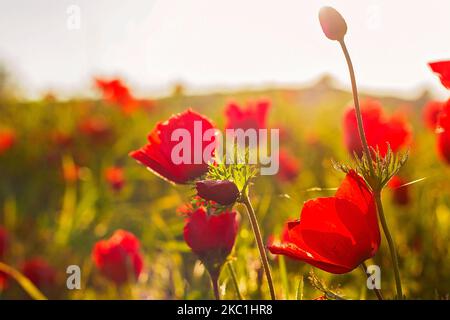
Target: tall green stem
(377, 193)
(234, 279)
(391, 245)
(259, 242)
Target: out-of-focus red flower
(7, 140)
(253, 116)
(431, 112)
(289, 166)
(211, 237)
(400, 192)
(324, 297)
(4, 241)
(335, 234)
(379, 129)
(118, 258)
(61, 139)
(442, 68)
(223, 192)
(116, 92)
(96, 128)
(39, 272)
(443, 133)
(3, 281)
(157, 154)
(115, 177)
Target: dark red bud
(333, 24)
(223, 192)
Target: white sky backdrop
(210, 44)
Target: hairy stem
(377, 291)
(234, 279)
(377, 193)
(359, 120)
(391, 244)
(215, 284)
(259, 242)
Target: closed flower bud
(333, 24)
(223, 192)
(211, 237)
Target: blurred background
(61, 133)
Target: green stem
(234, 279)
(359, 120)
(377, 194)
(377, 291)
(391, 244)
(215, 284)
(259, 242)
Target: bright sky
(220, 44)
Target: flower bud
(223, 192)
(211, 237)
(333, 24)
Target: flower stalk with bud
(378, 171)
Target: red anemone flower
(442, 68)
(254, 116)
(118, 258)
(431, 112)
(39, 272)
(335, 234)
(211, 236)
(443, 133)
(164, 143)
(289, 166)
(115, 177)
(379, 129)
(7, 140)
(400, 192)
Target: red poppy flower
(97, 129)
(115, 177)
(289, 166)
(211, 237)
(254, 116)
(442, 68)
(431, 112)
(7, 140)
(118, 258)
(157, 154)
(39, 272)
(3, 242)
(443, 133)
(400, 192)
(223, 192)
(335, 234)
(379, 129)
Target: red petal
(442, 68)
